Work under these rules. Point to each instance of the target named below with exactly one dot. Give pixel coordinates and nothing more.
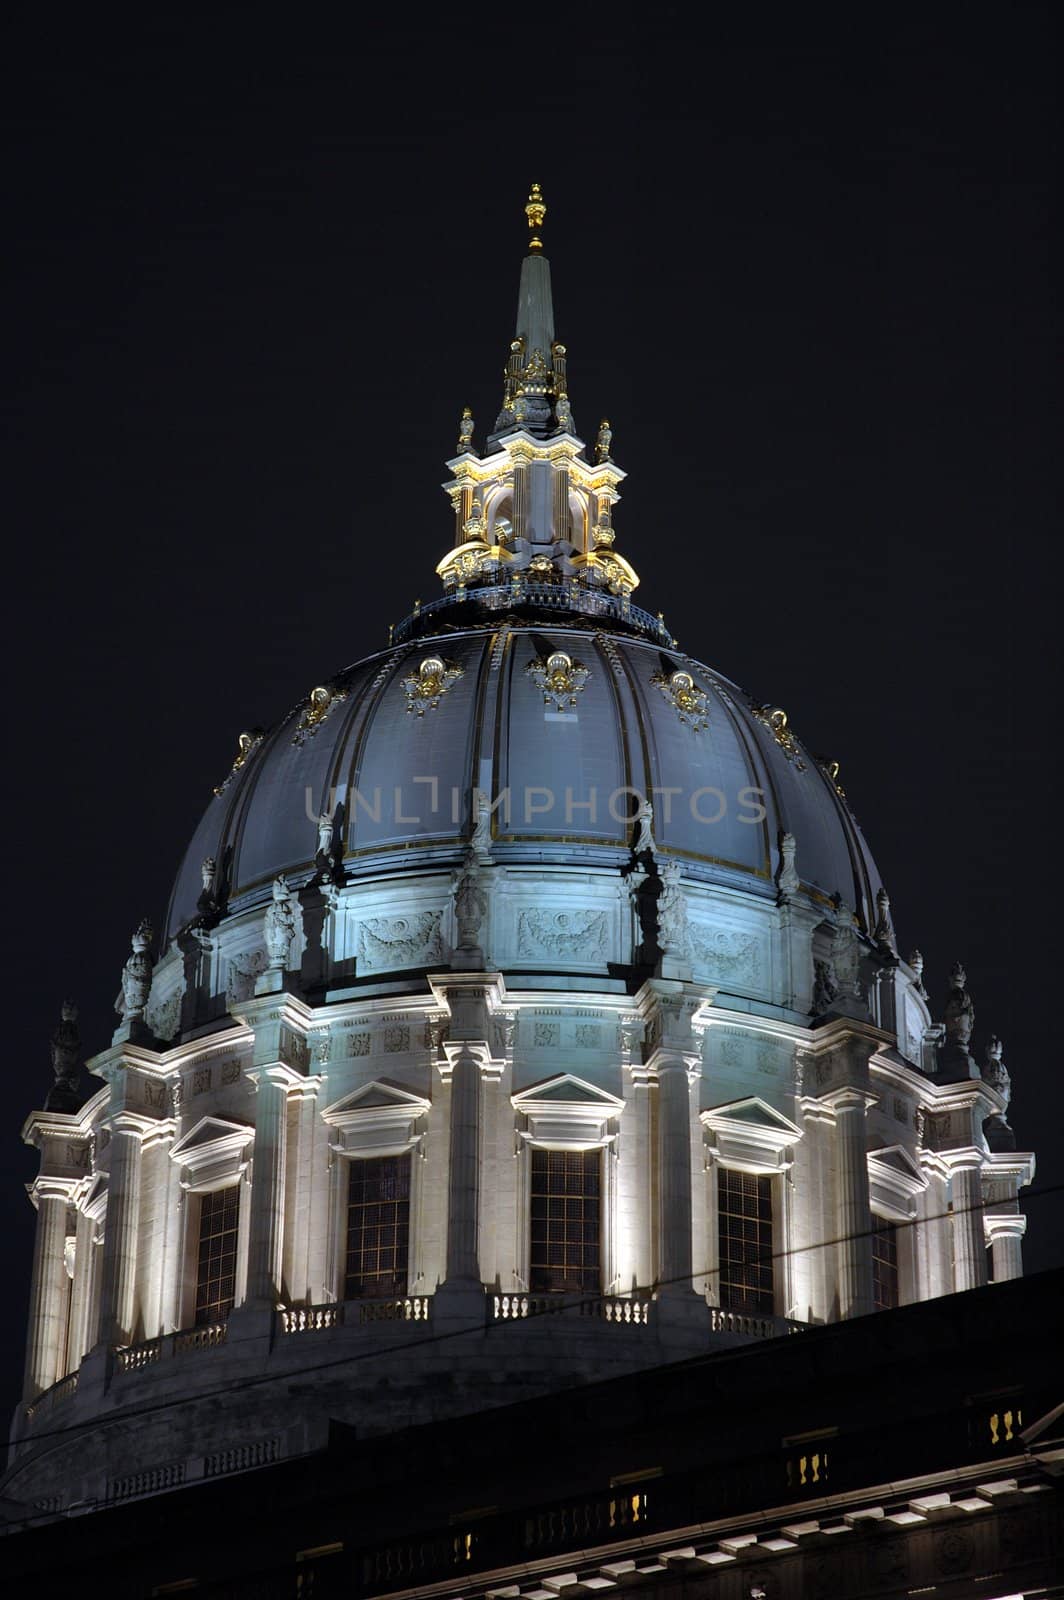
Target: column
(853, 1213)
(1006, 1245)
(463, 1178)
(120, 1235)
(969, 1242)
(47, 1320)
(674, 1175)
(266, 1224)
(934, 1242)
(78, 1339)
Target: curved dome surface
(399, 764)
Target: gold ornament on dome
(246, 744)
(691, 702)
(535, 211)
(831, 769)
(775, 720)
(320, 702)
(432, 680)
(559, 677)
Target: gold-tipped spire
(535, 211)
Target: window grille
(884, 1264)
(566, 1218)
(378, 1227)
(216, 1263)
(744, 1211)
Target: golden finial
(535, 211)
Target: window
(884, 1264)
(216, 1264)
(566, 1214)
(378, 1227)
(744, 1202)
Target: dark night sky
(255, 269)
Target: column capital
(849, 1097)
(277, 1072)
(477, 1050)
(1011, 1225)
(663, 1059)
(131, 1122)
(968, 1159)
(47, 1187)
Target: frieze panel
(574, 935)
(154, 1090)
(358, 1044)
(243, 969)
(731, 1050)
(201, 1080)
(771, 1058)
(727, 953)
(413, 941)
(587, 1035)
(396, 1039)
(164, 1016)
(293, 1050)
(546, 1035)
(77, 1155)
(230, 1070)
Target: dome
(565, 726)
(527, 980)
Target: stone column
(266, 1224)
(1006, 1244)
(120, 1234)
(853, 1213)
(969, 1241)
(47, 1321)
(78, 1339)
(465, 1061)
(934, 1242)
(674, 1174)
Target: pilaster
(46, 1345)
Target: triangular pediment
(208, 1131)
(753, 1112)
(899, 1160)
(567, 1089)
(380, 1095)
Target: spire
(535, 307)
(533, 516)
(535, 371)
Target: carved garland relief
(401, 941)
(562, 933)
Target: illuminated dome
(564, 759)
(529, 1010)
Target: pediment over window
(378, 1119)
(751, 1135)
(213, 1154)
(567, 1113)
(894, 1181)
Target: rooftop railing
(543, 596)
